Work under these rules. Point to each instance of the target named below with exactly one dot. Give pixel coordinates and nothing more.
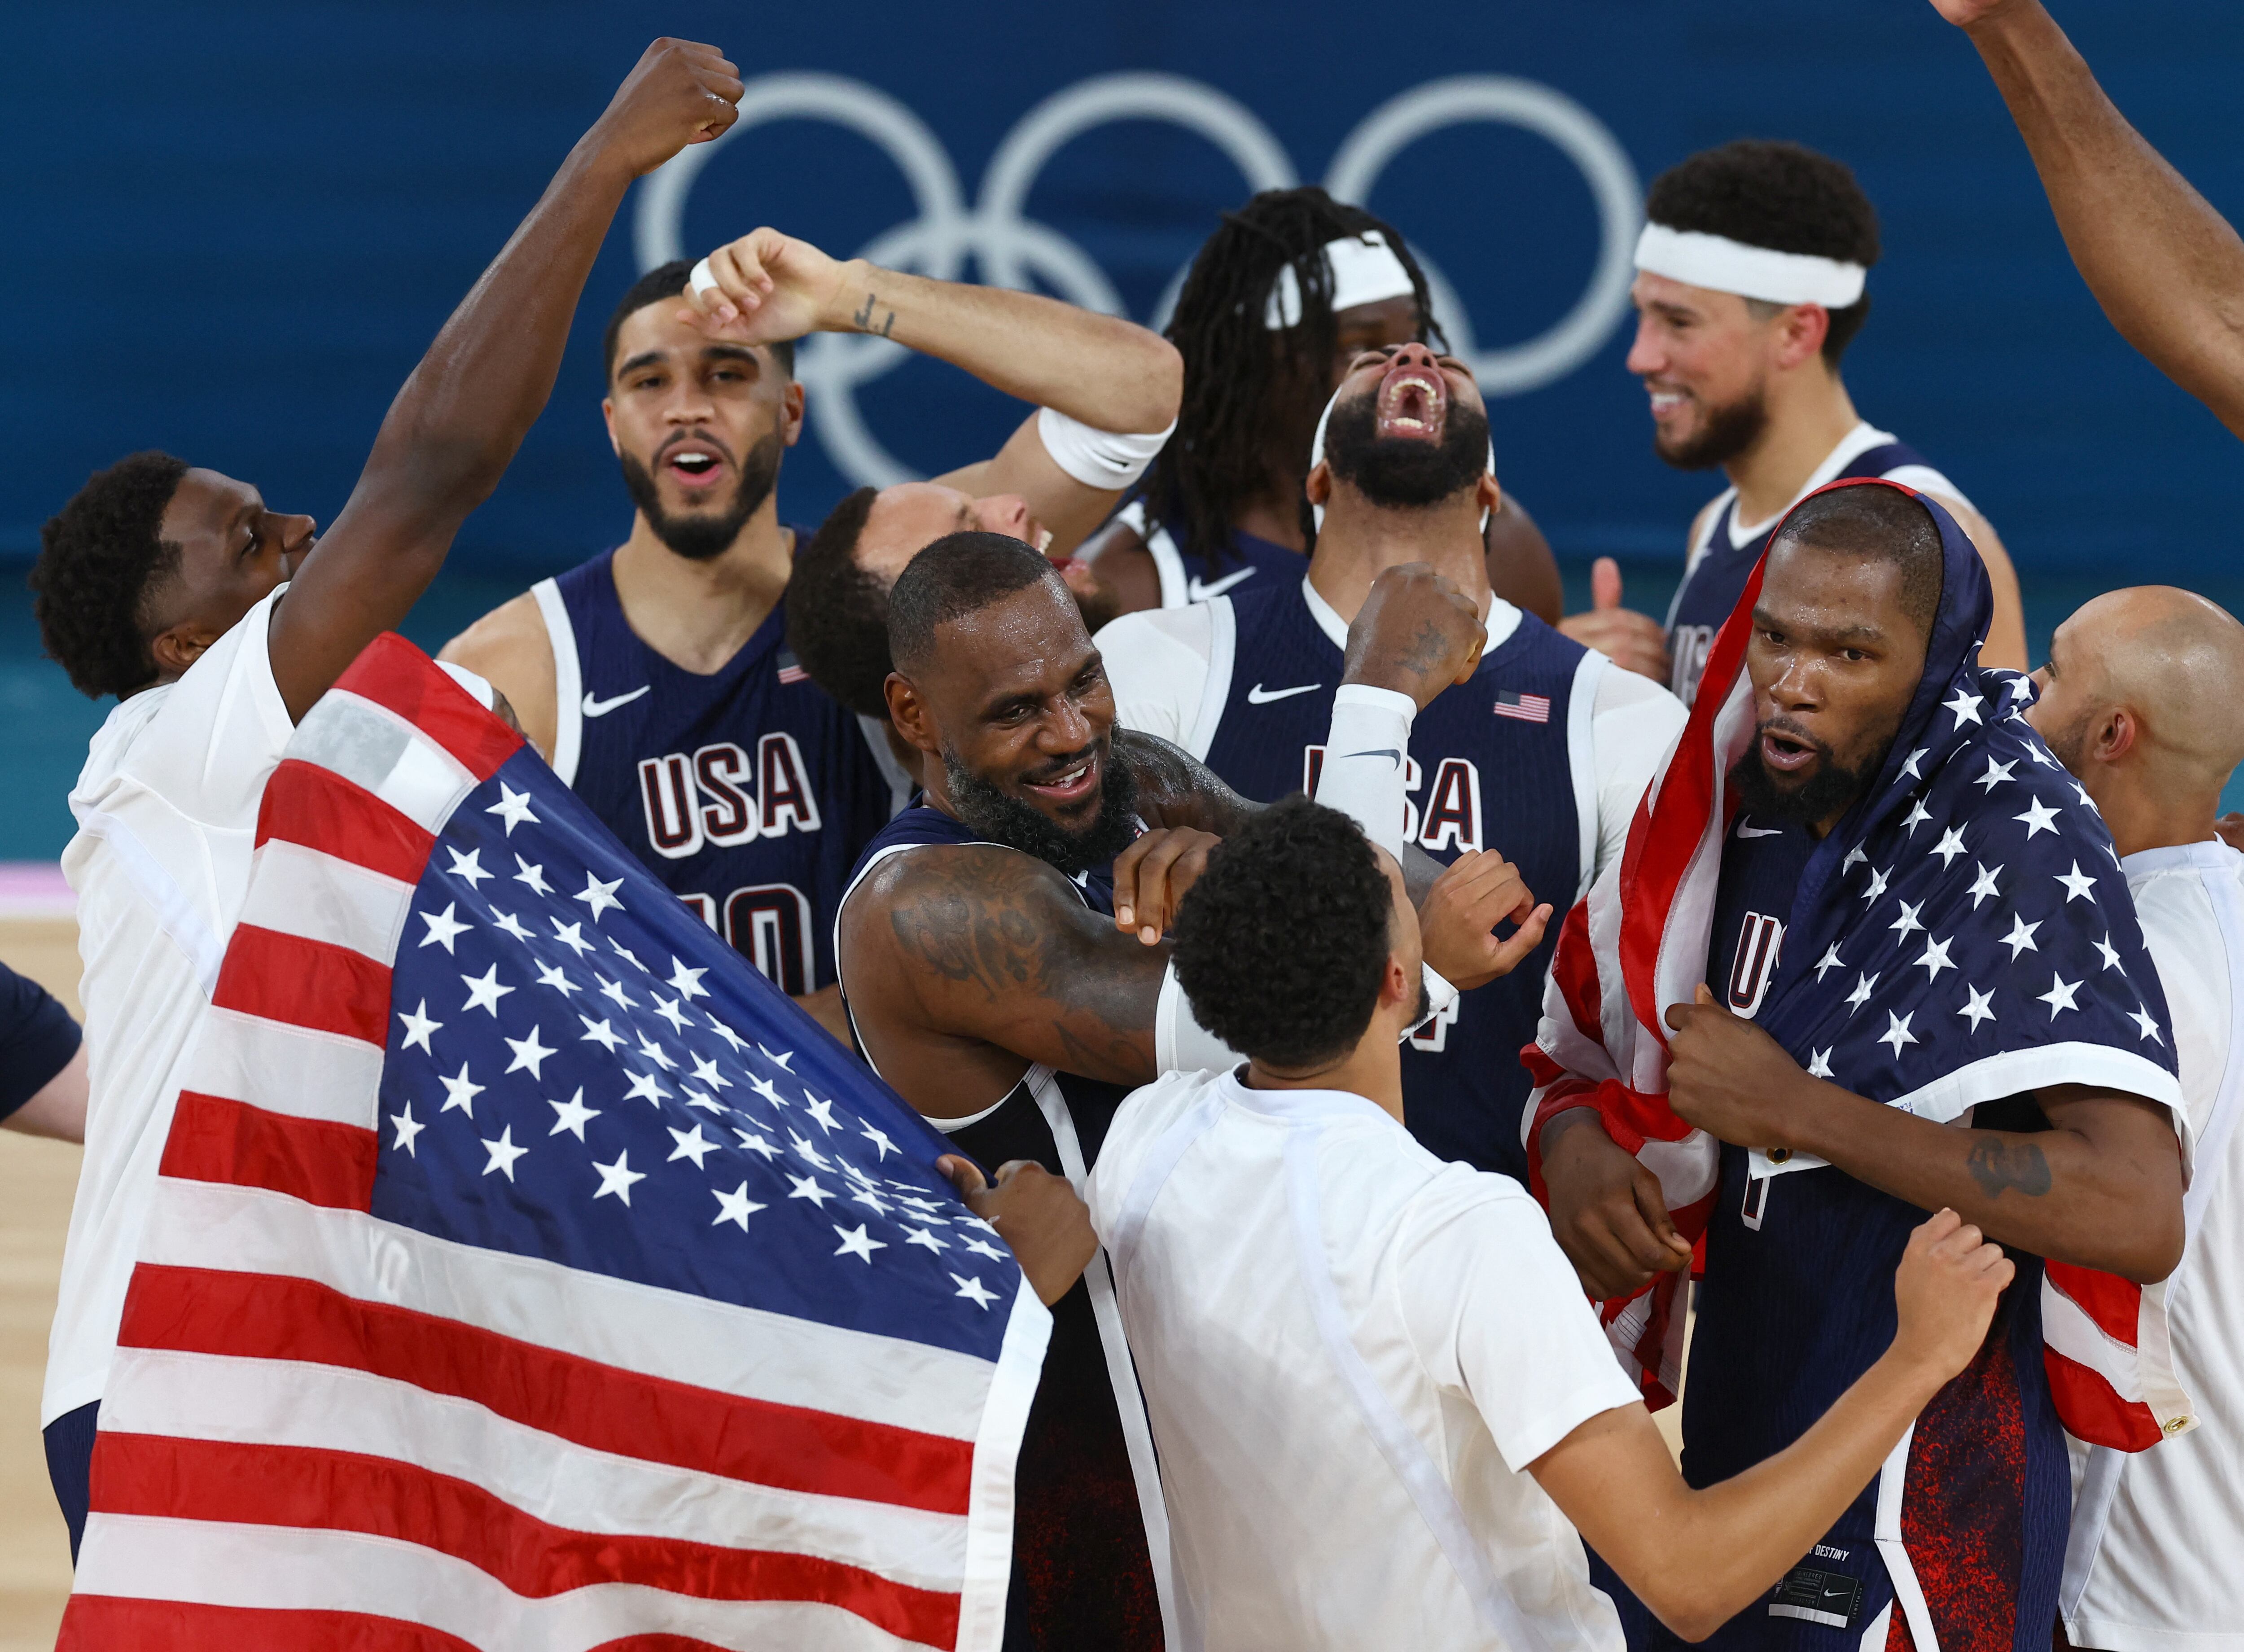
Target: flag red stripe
(2092, 1411)
(297, 1486)
(601, 1407)
(103, 1622)
(322, 1162)
(305, 803)
(391, 672)
(306, 983)
(2114, 1303)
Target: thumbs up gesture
(1629, 639)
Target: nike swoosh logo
(1388, 751)
(1761, 831)
(1199, 590)
(597, 708)
(1832, 1594)
(1258, 695)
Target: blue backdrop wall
(231, 231)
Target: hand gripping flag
(525, 1271)
(1963, 934)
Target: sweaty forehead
(1834, 590)
(654, 329)
(1030, 641)
(904, 520)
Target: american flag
(526, 1271)
(1964, 935)
(1534, 708)
(790, 668)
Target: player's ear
(1319, 486)
(2115, 737)
(909, 713)
(791, 401)
(1490, 497)
(608, 417)
(178, 647)
(1801, 331)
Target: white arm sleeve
(1156, 663)
(1364, 753)
(1631, 731)
(1109, 460)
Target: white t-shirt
(2156, 1562)
(1350, 1352)
(1159, 661)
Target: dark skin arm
(968, 963)
(1041, 1218)
(453, 428)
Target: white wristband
(1110, 460)
(1440, 994)
(1366, 753)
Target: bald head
(2145, 689)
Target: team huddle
(1383, 1013)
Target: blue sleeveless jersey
(748, 791)
(1082, 1565)
(1192, 571)
(1797, 1304)
(1492, 765)
(1713, 584)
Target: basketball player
(2165, 266)
(42, 1062)
(1881, 825)
(1379, 1394)
(2143, 701)
(1292, 288)
(1542, 755)
(657, 677)
(994, 980)
(1748, 290)
(218, 622)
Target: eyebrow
(1763, 619)
(644, 358)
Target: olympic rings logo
(1011, 250)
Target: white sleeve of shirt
(209, 750)
(1631, 730)
(1157, 660)
(1496, 1314)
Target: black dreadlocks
(1244, 384)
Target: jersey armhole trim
(568, 680)
(1215, 693)
(1582, 761)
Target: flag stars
(1917, 815)
(1936, 957)
(777, 1058)
(695, 1098)
(823, 1112)
(2059, 996)
(802, 1144)
(2111, 953)
(983, 1248)
(881, 1142)
(508, 923)
(1984, 887)
(1909, 765)
(1966, 707)
(599, 895)
(871, 1200)
(1897, 1032)
(549, 975)
(1829, 961)
(691, 1144)
(2138, 1015)
(2020, 940)
(618, 1178)
(443, 928)
(468, 866)
(924, 1239)
(484, 992)
(1978, 1007)
(974, 1290)
(418, 1028)
(408, 1126)
(2037, 818)
(571, 935)
(643, 1088)
(1864, 985)
(460, 1090)
(614, 991)
(2078, 884)
(657, 1054)
(1819, 1064)
(686, 983)
(1906, 923)
(529, 1054)
(809, 1187)
(734, 1207)
(705, 1071)
(1995, 775)
(751, 1142)
(599, 1032)
(572, 1115)
(727, 1034)
(624, 952)
(513, 807)
(503, 1153)
(1852, 854)
(1949, 846)
(532, 877)
(1877, 887)
(857, 1243)
(668, 1010)
(769, 1090)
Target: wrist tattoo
(863, 318)
(1996, 1165)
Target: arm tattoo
(1996, 1165)
(1425, 650)
(864, 318)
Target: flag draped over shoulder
(526, 1271)
(1964, 934)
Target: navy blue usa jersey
(1082, 1578)
(1716, 577)
(1502, 763)
(1192, 571)
(748, 791)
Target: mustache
(1059, 766)
(698, 438)
(1795, 733)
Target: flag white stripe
(214, 1563)
(2067, 1328)
(374, 748)
(1993, 1077)
(298, 1070)
(745, 1352)
(271, 1402)
(304, 891)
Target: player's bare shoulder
(974, 915)
(508, 648)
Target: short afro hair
(101, 557)
(1877, 521)
(959, 574)
(667, 280)
(1781, 196)
(1282, 944)
(837, 614)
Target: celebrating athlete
(1749, 287)
(657, 677)
(1541, 755)
(1290, 289)
(217, 621)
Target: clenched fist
(1944, 1294)
(680, 94)
(1416, 632)
(1731, 1078)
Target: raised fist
(1416, 633)
(680, 94)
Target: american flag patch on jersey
(1530, 709)
(790, 670)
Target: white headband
(1317, 458)
(1726, 266)
(1364, 270)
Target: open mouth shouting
(1414, 403)
(1071, 784)
(1786, 751)
(694, 462)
